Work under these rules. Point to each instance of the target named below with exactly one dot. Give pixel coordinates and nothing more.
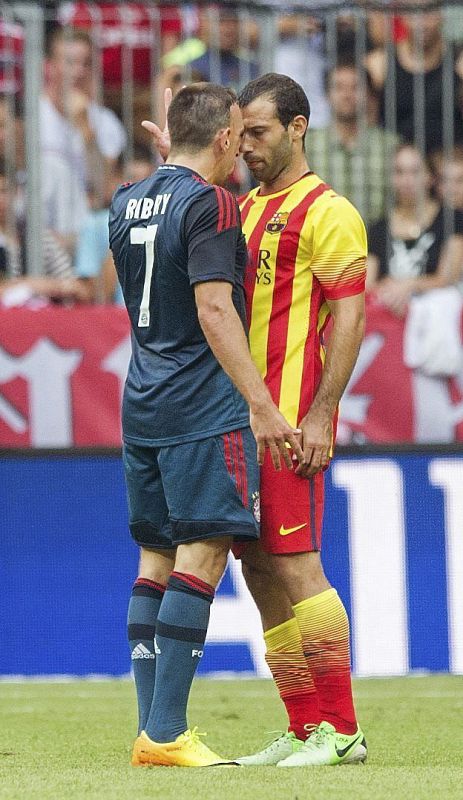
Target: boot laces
(273, 738)
(317, 738)
(193, 736)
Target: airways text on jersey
(146, 207)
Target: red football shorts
(291, 511)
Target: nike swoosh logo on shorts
(285, 531)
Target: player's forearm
(341, 355)
(225, 335)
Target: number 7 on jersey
(145, 236)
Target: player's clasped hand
(317, 437)
(271, 431)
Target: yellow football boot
(186, 751)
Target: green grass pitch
(69, 741)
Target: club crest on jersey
(278, 222)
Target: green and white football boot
(282, 746)
(326, 747)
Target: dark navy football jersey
(167, 233)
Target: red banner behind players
(386, 402)
(61, 376)
(62, 373)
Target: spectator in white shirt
(80, 139)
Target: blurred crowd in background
(386, 127)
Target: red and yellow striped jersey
(306, 245)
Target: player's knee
(300, 573)
(257, 576)
(215, 566)
(205, 559)
(156, 566)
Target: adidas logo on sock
(140, 651)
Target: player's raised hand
(272, 431)
(317, 438)
(160, 137)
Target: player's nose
(245, 146)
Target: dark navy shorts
(193, 491)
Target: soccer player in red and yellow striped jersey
(307, 254)
(306, 247)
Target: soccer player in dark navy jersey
(169, 233)
(189, 450)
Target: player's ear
(298, 126)
(224, 139)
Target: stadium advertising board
(392, 546)
(75, 362)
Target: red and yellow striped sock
(293, 679)
(324, 627)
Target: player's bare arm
(342, 351)
(225, 335)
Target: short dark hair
(348, 63)
(197, 113)
(59, 34)
(289, 97)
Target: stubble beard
(280, 161)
